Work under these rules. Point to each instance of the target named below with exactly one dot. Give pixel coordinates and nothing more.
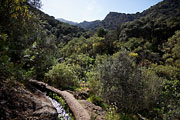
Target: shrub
(62, 76)
(93, 82)
(169, 103)
(171, 50)
(126, 85)
(93, 79)
(111, 114)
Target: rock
(81, 95)
(96, 112)
(78, 111)
(20, 103)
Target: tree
(15, 34)
(35, 3)
(101, 32)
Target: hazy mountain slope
(89, 25)
(67, 21)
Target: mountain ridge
(67, 21)
(114, 19)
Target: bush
(126, 85)
(62, 76)
(169, 103)
(171, 50)
(93, 80)
(111, 114)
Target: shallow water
(62, 115)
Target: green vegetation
(30, 39)
(111, 114)
(62, 76)
(126, 85)
(132, 72)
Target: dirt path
(78, 111)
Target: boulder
(96, 112)
(19, 103)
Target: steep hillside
(62, 31)
(113, 19)
(33, 40)
(159, 22)
(163, 9)
(49, 36)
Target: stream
(62, 115)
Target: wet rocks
(60, 110)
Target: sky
(89, 10)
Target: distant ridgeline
(164, 11)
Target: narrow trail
(78, 111)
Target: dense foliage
(131, 62)
(126, 85)
(62, 76)
(29, 39)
